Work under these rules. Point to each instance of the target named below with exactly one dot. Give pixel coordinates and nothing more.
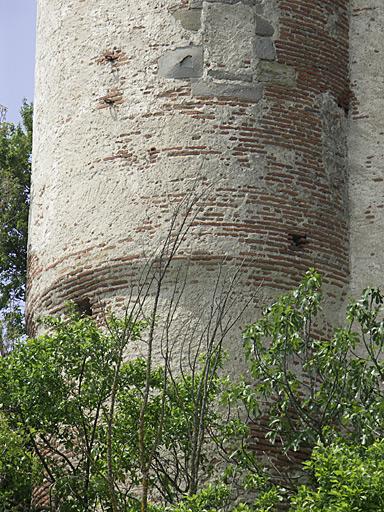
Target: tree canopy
(99, 428)
(15, 180)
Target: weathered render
(272, 106)
(140, 102)
(366, 146)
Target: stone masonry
(138, 102)
(274, 105)
(366, 146)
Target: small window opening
(344, 107)
(344, 102)
(84, 306)
(297, 241)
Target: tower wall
(366, 143)
(139, 102)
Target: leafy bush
(18, 469)
(126, 434)
(347, 478)
(80, 405)
(312, 386)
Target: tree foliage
(56, 392)
(346, 478)
(15, 176)
(117, 433)
(325, 395)
(18, 469)
(313, 387)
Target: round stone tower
(138, 102)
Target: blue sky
(17, 54)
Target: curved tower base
(138, 103)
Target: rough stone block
(182, 63)
(224, 75)
(249, 93)
(222, 25)
(264, 27)
(265, 49)
(274, 72)
(190, 19)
